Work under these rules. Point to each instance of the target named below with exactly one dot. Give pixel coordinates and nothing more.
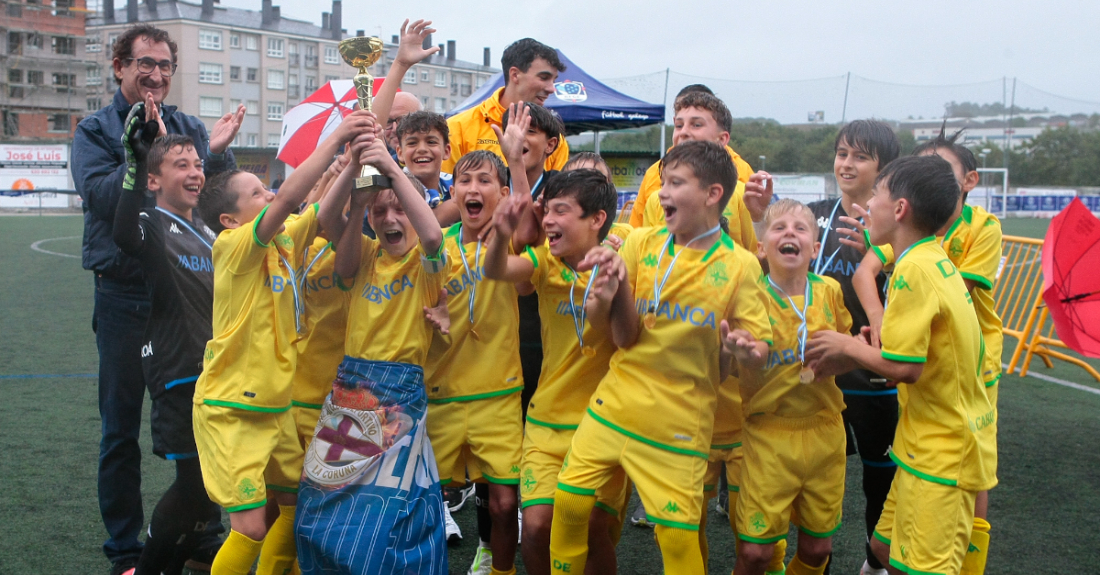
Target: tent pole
(665, 103)
(596, 140)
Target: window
(311, 83)
(440, 105)
(291, 47)
(11, 123)
(276, 79)
(275, 47)
(424, 101)
(15, 92)
(94, 104)
(62, 45)
(95, 76)
(480, 81)
(424, 76)
(15, 10)
(67, 80)
(252, 72)
(311, 56)
(252, 108)
(250, 42)
(35, 41)
(252, 140)
(111, 41)
(60, 123)
(92, 43)
(15, 43)
(36, 77)
(441, 79)
(273, 140)
(15, 76)
(210, 73)
(210, 40)
(211, 107)
(236, 140)
(410, 76)
(235, 42)
(61, 8)
(332, 56)
(235, 73)
(292, 80)
(331, 78)
(275, 111)
(234, 103)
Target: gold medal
(806, 375)
(650, 320)
(587, 351)
(473, 334)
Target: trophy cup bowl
(362, 52)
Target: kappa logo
(757, 522)
(567, 275)
(716, 274)
(284, 240)
(649, 261)
(528, 482)
(246, 488)
(900, 283)
(174, 229)
(514, 469)
(671, 507)
(973, 549)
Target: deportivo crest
(570, 91)
(956, 248)
(246, 488)
(528, 482)
(343, 446)
(716, 274)
(757, 522)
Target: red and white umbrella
(310, 122)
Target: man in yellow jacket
(530, 68)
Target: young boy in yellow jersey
(700, 115)
(794, 442)
(580, 207)
(473, 375)
(370, 443)
(972, 241)
(681, 303)
(243, 427)
(945, 443)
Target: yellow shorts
(670, 484)
(927, 525)
(793, 471)
(482, 438)
(730, 455)
(544, 451)
(244, 453)
(992, 391)
(305, 420)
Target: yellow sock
(569, 532)
(797, 567)
(779, 553)
(236, 556)
(511, 571)
(680, 550)
(279, 551)
(978, 550)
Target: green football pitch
(1044, 512)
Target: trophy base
(373, 183)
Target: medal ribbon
(466, 266)
(578, 318)
(803, 329)
(659, 287)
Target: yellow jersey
(386, 312)
(250, 362)
(620, 230)
(776, 389)
(661, 390)
(472, 130)
(651, 184)
(947, 427)
(740, 220)
(480, 359)
(973, 243)
(326, 317)
(568, 377)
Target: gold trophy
(362, 52)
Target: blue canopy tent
(583, 102)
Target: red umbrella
(1071, 277)
(310, 122)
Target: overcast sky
(1053, 46)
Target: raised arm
(417, 210)
(499, 264)
(409, 51)
(138, 138)
(335, 200)
(298, 185)
(618, 311)
(863, 282)
(349, 245)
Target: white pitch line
(36, 246)
(1059, 381)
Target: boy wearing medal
(580, 208)
(793, 436)
(473, 374)
(651, 416)
(945, 445)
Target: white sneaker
(520, 538)
(454, 534)
(868, 570)
(483, 561)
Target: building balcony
(292, 59)
(311, 61)
(292, 92)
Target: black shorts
(870, 420)
(173, 430)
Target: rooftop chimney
(486, 60)
(394, 39)
(427, 42)
(131, 10)
(325, 20)
(207, 9)
(266, 13)
(275, 14)
(441, 53)
(360, 33)
(337, 21)
(109, 11)
(152, 5)
(450, 49)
